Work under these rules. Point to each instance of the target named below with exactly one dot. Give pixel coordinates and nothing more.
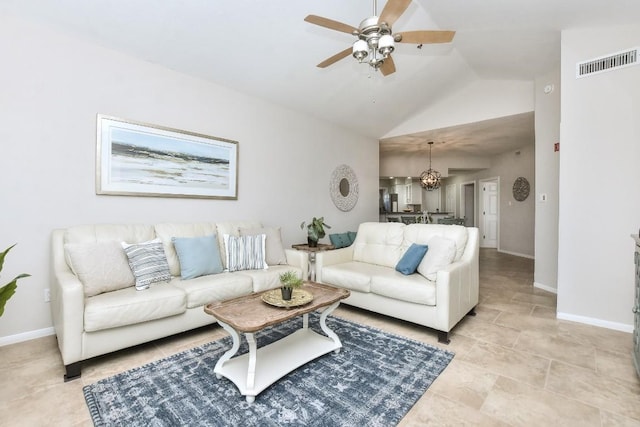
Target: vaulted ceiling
(265, 49)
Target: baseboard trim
(26, 336)
(545, 287)
(516, 254)
(595, 322)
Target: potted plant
(9, 289)
(289, 281)
(315, 230)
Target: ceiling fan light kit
(375, 38)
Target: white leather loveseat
(97, 309)
(438, 295)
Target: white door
(451, 200)
(489, 214)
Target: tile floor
(515, 365)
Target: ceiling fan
(375, 39)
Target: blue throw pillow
(409, 262)
(340, 240)
(198, 256)
(352, 236)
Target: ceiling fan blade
(388, 67)
(424, 37)
(330, 23)
(392, 11)
(335, 58)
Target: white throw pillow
(275, 253)
(100, 267)
(440, 254)
(148, 262)
(245, 252)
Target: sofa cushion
(199, 256)
(274, 250)
(148, 263)
(408, 264)
(168, 230)
(217, 287)
(441, 253)
(412, 288)
(379, 243)
(422, 233)
(268, 279)
(128, 307)
(101, 267)
(353, 275)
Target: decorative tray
(298, 297)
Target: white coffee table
(249, 314)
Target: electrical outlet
(47, 295)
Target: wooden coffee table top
(250, 314)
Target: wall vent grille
(607, 63)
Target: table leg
(312, 266)
(325, 328)
(251, 370)
(234, 348)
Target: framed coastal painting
(139, 159)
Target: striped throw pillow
(245, 252)
(148, 263)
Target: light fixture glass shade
(360, 50)
(386, 45)
(430, 180)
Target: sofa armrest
(335, 256)
(67, 303)
(458, 284)
(299, 259)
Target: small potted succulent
(289, 281)
(315, 230)
(9, 289)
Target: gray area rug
(374, 380)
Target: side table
(311, 250)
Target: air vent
(607, 63)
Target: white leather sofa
(442, 291)
(89, 326)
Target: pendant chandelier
(430, 179)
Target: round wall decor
(521, 189)
(343, 188)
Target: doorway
(490, 213)
(468, 203)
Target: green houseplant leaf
(315, 229)
(9, 289)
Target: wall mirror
(343, 188)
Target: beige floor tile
(615, 395)
(557, 346)
(544, 312)
(520, 366)
(615, 420)
(549, 300)
(436, 410)
(506, 305)
(518, 404)
(464, 383)
(477, 329)
(615, 364)
(526, 322)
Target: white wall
(517, 219)
(477, 101)
(53, 87)
(599, 176)
(547, 122)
